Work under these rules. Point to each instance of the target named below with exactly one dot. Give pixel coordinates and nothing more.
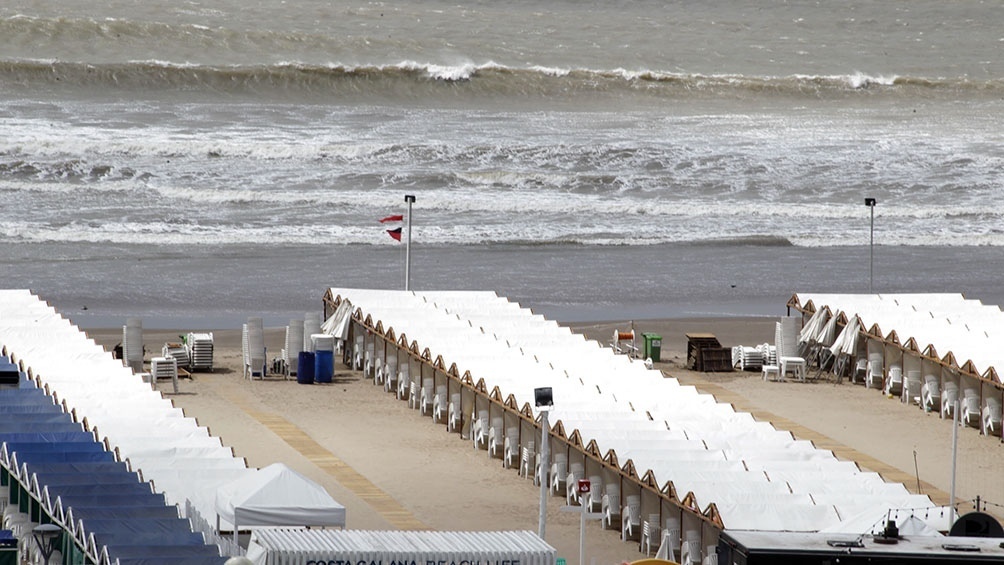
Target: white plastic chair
(649, 531)
(510, 448)
(690, 549)
(426, 394)
(559, 472)
(874, 378)
(594, 501)
(894, 384)
(526, 461)
(495, 437)
(970, 408)
(454, 418)
(992, 416)
(911, 387)
(440, 408)
(610, 505)
(949, 396)
(630, 517)
(930, 393)
(572, 494)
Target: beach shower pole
(544, 400)
(870, 203)
(410, 199)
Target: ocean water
(195, 163)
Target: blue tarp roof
(58, 479)
(111, 500)
(124, 512)
(77, 467)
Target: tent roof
(278, 496)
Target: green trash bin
(653, 346)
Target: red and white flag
(396, 232)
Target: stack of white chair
(178, 351)
(132, 344)
(311, 326)
(254, 348)
(200, 347)
(294, 345)
(165, 368)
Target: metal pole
(582, 533)
(410, 199)
(871, 251)
(545, 454)
(955, 450)
(870, 202)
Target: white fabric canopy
(277, 496)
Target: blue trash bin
(324, 366)
(305, 368)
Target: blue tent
(120, 516)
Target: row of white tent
(180, 458)
(945, 342)
(726, 466)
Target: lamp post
(544, 401)
(870, 203)
(409, 199)
(46, 536)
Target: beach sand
(393, 468)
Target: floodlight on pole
(46, 536)
(409, 199)
(870, 203)
(544, 400)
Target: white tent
(277, 496)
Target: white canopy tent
(276, 496)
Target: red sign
(583, 486)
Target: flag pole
(410, 199)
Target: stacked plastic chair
(200, 348)
(294, 345)
(180, 353)
(311, 326)
(132, 344)
(254, 348)
(165, 368)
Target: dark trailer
(795, 548)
